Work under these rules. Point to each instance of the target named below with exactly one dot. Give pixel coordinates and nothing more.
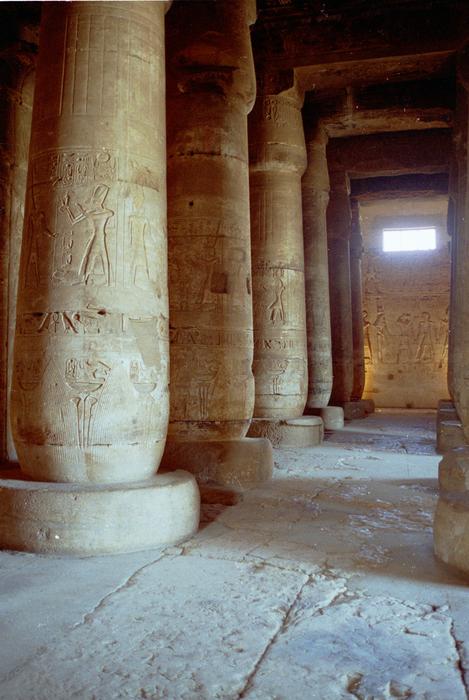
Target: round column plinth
(449, 435)
(332, 417)
(90, 519)
(451, 530)
(354, 410)
(368, 405)
(240, 464)
(453, 471)
(306, 431)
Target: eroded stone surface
(338, 237)
(90, 388)
(406, 297)
(331, 561)
(211, 88)
(315, 197)
(16, 95)
(277, 160)
(91, 519)
(238, 464)
(306, 431)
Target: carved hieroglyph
(315, 195)
(405, 315)
(90, 388)
(277, 162)
(338, 232)
(211, 88)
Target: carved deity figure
(404, 351)
(203, 386)
(39, 236)
(139, 269)
(276, 309)
(444, 334)
(382, 333)
(368, 351)
(425, 350)
(97, 215)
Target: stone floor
(320, 585)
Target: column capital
(209, 51)
(276, 137)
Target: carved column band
(90, 388)
(338, 230)
(277, 162)
(315, 195)
(211, 88)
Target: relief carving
(93, 267)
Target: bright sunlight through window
(407, 239)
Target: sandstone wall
(406, 298)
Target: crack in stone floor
(321, 584)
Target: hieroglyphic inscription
(86, 377)
(210, 338)
(72, 168)
(90, 321)
(212, 273)
(406, 326)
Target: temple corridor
(320, 584)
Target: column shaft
(15, 110)
(458, 351)
(338, 230)
(315, 195)
(211, 88)
(277, 162)
(356, 250)
(90, 387)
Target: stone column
(451, 525)
(338, 233)
(277, 155)
(211, 89)
(315, 194)
(90, 386)
(16, 92)
(356, 251)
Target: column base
(332, 416)
(354, 410)
(90, 519)
(451, 523)
(451, 530)
(239, 464)
(449, 435)
(368, 405)
(453, 471)
(305, 431)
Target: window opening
(408, 239)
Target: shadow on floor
(373, 528)
(378, 441)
